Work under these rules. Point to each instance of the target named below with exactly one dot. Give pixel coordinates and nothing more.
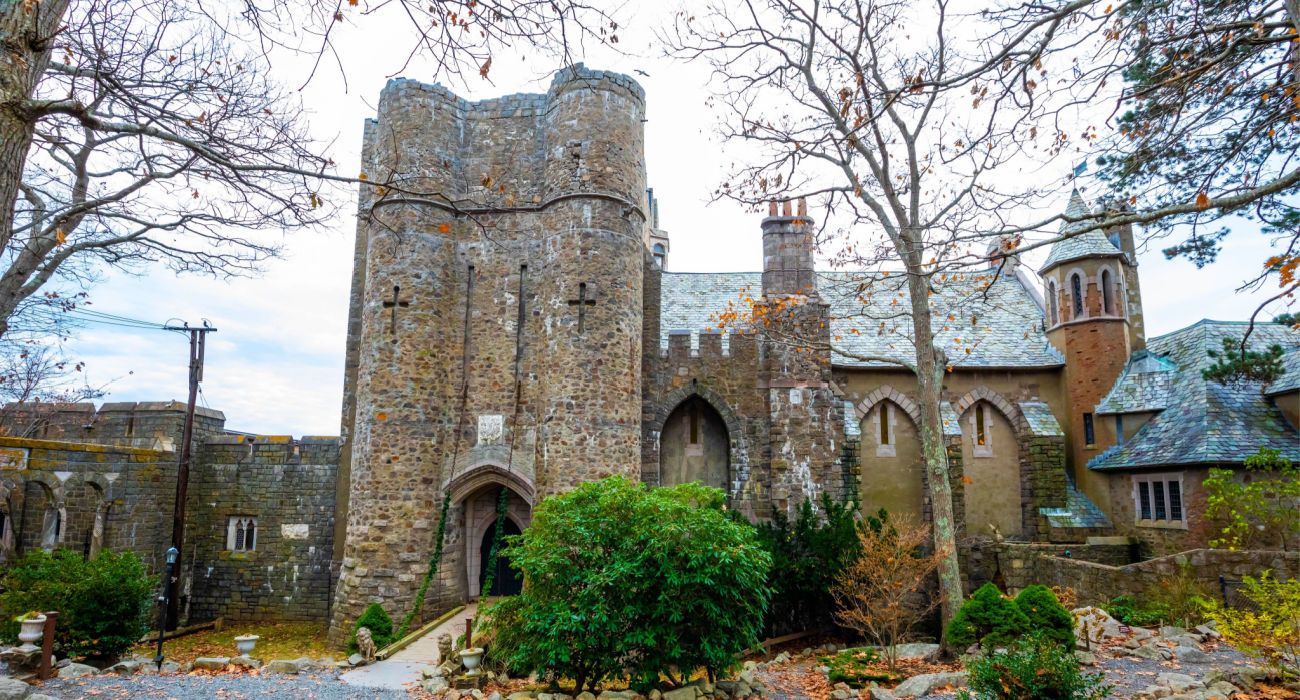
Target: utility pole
(198, 338)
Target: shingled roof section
(1084, 245)
(1205, 422)
(1290, 379)
(997, 320)
(1145, 385)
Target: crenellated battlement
(684, 346)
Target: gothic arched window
(1107, 296)
(1053, 315)
(1076, 291)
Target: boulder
(1094, 625)
(124, 668)
(585, 695)
(211, 663)
(356, 660)
(1191, 655)
(171, 667)
(841, 694)
(494, 696)
(875, 692)
(283, 666)
(14, 689)
(247, 662)
(687, 693)
(435, 685)
(1144, 653)
(1179, 682)
(521, 695)
(75, 670)
(1085, 658)
(923, 652)
(926, 683)
(1172, 631)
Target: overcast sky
(276, 364)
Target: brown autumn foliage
(879, 593)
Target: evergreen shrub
(988, 619)
(376, 619)
(1033, 668)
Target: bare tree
(879, 593)
(920, 140)
(33, 376)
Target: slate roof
(1040, 419)
(869, 317)
(1085, 245)
(1204, 422)
(1079, 511)
(1145, 385)
(1290, 379)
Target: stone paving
(402, 669)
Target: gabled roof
(1202, 421)
(997, 321)
(1092, 244)
(1290, 379)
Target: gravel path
(222, 687)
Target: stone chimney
(1002, 253)
(788, 243)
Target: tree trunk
(930, 366)
(27, 29)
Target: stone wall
(102, 496)
(288, 486)
(495, 328)
(148, 424)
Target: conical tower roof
(1084, 245)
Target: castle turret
(495, 334)
(1090, 313)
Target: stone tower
(1094, 318)
(495, 327)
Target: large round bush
(103, 603)
(622, 577)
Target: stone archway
(694, 445)
(994, 464)
(738, 455)
(476, 496)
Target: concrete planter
(244, 644)
(32, 631)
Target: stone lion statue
(366, 644)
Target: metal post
(165, 600)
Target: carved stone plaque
(491, 429)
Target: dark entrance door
(506, 580)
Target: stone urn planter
(244, 644)
(471, 657)
(32, 631)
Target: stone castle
(514, 324)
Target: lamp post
(165, 600)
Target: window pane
(1158, 495)
(1119, 429)
(1144, 500)
(981, 437)
(884, 424)
(1175, 501)
(1089, 431)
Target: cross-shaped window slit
(582, 302)
(393, 306)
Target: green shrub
(1034, 668)
(1046, 615)
(103, 603)
(380, 624)
(625, 577)
(1268, 630)
(1135, 613)
(807, 553)
(987, 619)
(859, 668)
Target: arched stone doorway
(506, 580)
(477, 498)
(695, 446)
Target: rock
(521, 695)
(356, 660)
(1191, 655)
(14, 689)
(170, 667)
(687, 693)
(435, 685)
(1094, 625)
(1171, 631)
(1223, 688)
(1144, 653)
(584, 695)
(720, 694)
(247, 662)
(841, 695)
(781, 658)
(1085, 658)
(211, 663)
(746, 676)
(923, 652)
(41, 696)
(743, 689)
(124, 668)
(478, 695)
(927, 683)
(283, 666)
(656, 695)
(494, 696)
(1178, 682)
(74, 670)
(878, 693)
